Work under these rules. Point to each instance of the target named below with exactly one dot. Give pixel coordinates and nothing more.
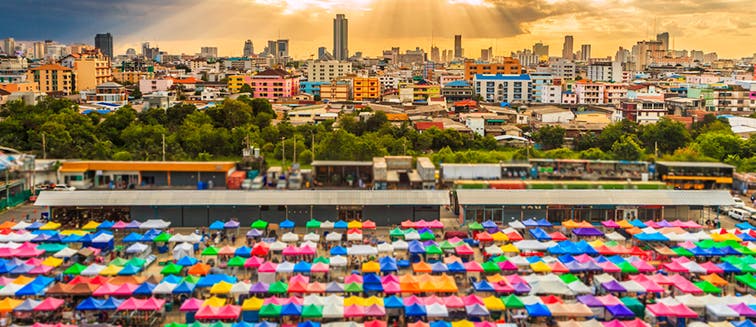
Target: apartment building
(327, 70)
(507, 66)
(504, 88)
(53, 78)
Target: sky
(183, 26)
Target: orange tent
(714, 279)
(7, 224)
(422, 267)
(199, 269)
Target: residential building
(526, 58)
(13, 70)
(551, 114)
(664, 39)
(326, 71)
(562, 68)
(457, 91)
(569, 97)
(366, 88)
(90, 69)
(585, 52)
(734, 100)
(341, 37)
(9, 46)
(567, 50)
(147, 86)
(388, 82)
(546, 88)
(412, 92)
(458, 51)
(132, 77)
(589, 92)
(503, 88)
(53, 78)
(614, 93)
(110, 93)
(541, 50)
(160, 99)
(605, 71)
(274, 84)
(507, 66)
(249, 49)
(642, 111)
(104, 42)
(27, 86)
(337, 90)
(647, 53)
(208, 52)
(310, 87)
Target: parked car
(246, 184)
(63, 187)
(738, 202)
(739, 214)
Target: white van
(739, 214)
(751, 212)
(738, 202)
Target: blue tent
(287, 224)
(43, 280)
(212, 279)
(489, 224)
(416, 247)
(637, 223)
(744, 323)
(244, 252)
(35, 225)
(402, 263)
(308, 323)
(744, 225)
(477, 310)
(574, 266)
(144, 289)
(22, 269)
(586, 248)
(266, 324)
(89, 304)
(31, 289)
(414, 310)
(73, 238)
(372, 287)
(173, 279)
(340, 224)
(538, 310)
(393, 302)
(728, 267)
(129, 270)
(388, 264)
(7, 267)
(438, 267)
(652, 237)
(184, 288)
(187, 261)
(106, 225)
(133, 237)
(338, 250)
(530, 223)
(216, 225)
(291, 309)
(483, 286)
(302, 267)
(456, 267)
(371, 278)
(440, 323)
(544, 223)
(110, 304)
(539, 234)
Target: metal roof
(240, 198)
(694, 164)
(594, 197)
(341, 163)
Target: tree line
(221, 132)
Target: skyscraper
(209, 52)
(145, 49)
(539, 49)
(435, 54)
(104, 42)
(249, 49)
(585, 51)
(282, 49)
(341, 37)
(664, 39)
(567, 51)
(9, 46)
(458, 46)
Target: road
(19, 212)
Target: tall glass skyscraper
(340, 37)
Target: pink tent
(515, 279)
(49, 304)
(610, 224)
(227, 250)
(389, 278)
(681, 311)
(131, 304)
(473, 266)
(435, 224)
(192, 304)
(674, 267)
(660, 310)
(454, 302)
(608, 300)
(307, 250)
(684, 285)
(267, 267)
(472, 299)
(253, 262)
(609, 267)
(375, 323)
(7, 252)
(39, 324)
(422, 224)
(299, 278)
(293, 300)
(502, 287)
(428, 300)
(353, 278)
(105, 289)
(661, 279)
(583, 258)
(392, 288)
(687, 245)
(375, 311)
(320, 268)
(228, 312)
(34, 262)
(637, 322)
(408, 224)
(120, 224)
(484, 324)
(354, 311)
(124, 290)
(274, 300)
(5, 280)
(316, 288)
(368, 224)
(464, 250)
(613, 323)
(291, 250)
(643, 266)
(27, 250)
(650, 286)
(743, 310)
(206, 312)
(412, 300)
(508, 265)
(711, 268)
(40, 270)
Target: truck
(273, 174)
(258, 183)
(295, 180)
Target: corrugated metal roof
(694, 164)
(226, 198)
(594, 197)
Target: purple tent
(587, 231)
(133, 225)
(231, 224)
(592, 266)
(575, 266)
(334, 287)
(259, 287)
(620, 311)
(743, 310)
(613, 287)
(254, 233)
(521, 288)
(663, 224)
(477, 310)
(590, 301)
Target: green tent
(51, 247)
(260, 224)
(396, 232)
(175, 324)
(139, 262)
(490, 267)
(353, 288)
(427, 236)
(475, 226)
(321, 260)
(446, 245)
(683, 252)
(191, 279)
(236, 262)
(270, 310)
(745, 267)
(210, 250)
(312, 223)
(568, 278)
(708, 287)
(634, 305)
(498, 258)
(312, 311)
(627, 268)
(433, 249)
(163, 237)
(172, 269)
(512, 302)
(120, 262)
(278, 287)
(75, 269)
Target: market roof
(229, 198)
(694, 164)
(341, 163)
(594, 197)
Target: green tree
(136, 93)
(718, 145)
(666, 135)
(550, 137)
(122, 156)
(585, 141)
(175, 115)
(594, 154)
(613, 132)
(246, 88)
(144, 141)
(153, 116)
(626, 148)
(114, 123)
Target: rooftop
(594, 197)
(694, 164)
(50, 67)
(501, 77)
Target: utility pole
(163, 147)
(44, 147)
(312, 145)
(283, 153)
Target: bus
(695, 175)
(574, 169)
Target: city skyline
(378, 25)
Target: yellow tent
(223, 287)
(715, 280)
(462, 323)
(216, 302)
(110, 270)
(493, 303)
(495, 278)
(624, 224)
(91, 225)
(52, 262)
(596, 243)
(540, 267)
(724, 237)
(444, 284)
(371, 266)
(50, 226)
(499, 237)
(354, 300)
(252, 304)
(354, 224)
(509, 248)
(77, 232)
(22, 280)
(7, 304)
(374, 300)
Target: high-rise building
(458, 51)
(435, 55)
(445, 55)
(9, 46)
(209, 52)
(39, 50)
(486, 54)
(145, 49)
(104, 42)
(282, 49)
(647, 52)
(585, 52)
(567, 50)
(664, 39)
(540, 50)
(341, 37)
(249, 49)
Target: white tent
(548, 284)
(17, 237)
(20, 225)
(309, 243)
(633, 287)
(333, 237)
(312, 237)
(533, 245)
(290, 237)
(285, 267)
(721, 311)
(354, 236)
(240, 288)
(338, 261)
(102, 238)
(183, 250)
(137, 248)
(191, 238)
(92, 270)
(436, 310)
(342, 323)
(412, 236)
(164, 288)
(326, 224)
(10, 289)
(155, 224)
(519, 261)
(385, 248)
(517, 225)
(614, 236)
(333, 310)
(65, 253)
(277, 246)
(694, 267)
(493, 250)
(579, 287)
(530, 300)
(10, 245)
(313, 299)
(400, 245)
(362, 250)
(604, 278)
